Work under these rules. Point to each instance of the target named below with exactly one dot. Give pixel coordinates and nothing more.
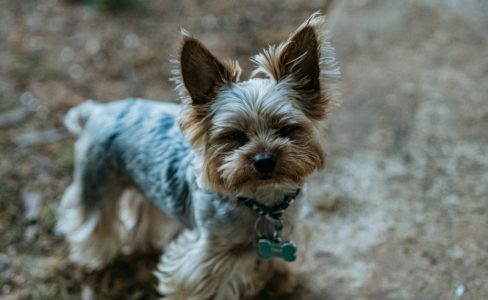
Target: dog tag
(285, 250)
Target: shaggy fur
(138, 161)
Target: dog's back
(137, 142)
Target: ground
(401, 211)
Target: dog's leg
(145, 226)
(87, 215)
(197, 266)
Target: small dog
(227, 170)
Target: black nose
(264, 163)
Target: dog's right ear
(199, 76)
(202, 73)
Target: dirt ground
(402, 209)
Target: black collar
(273, 212)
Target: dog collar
(273, 212)
(272, 247)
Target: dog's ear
(307, 59)
(199, 77)
(202, 73)
(300, 59)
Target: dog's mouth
(265, 177)
(254, 180)
(259, 180)
(271, 178)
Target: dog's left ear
(300, 59)
(308, 60)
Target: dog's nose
(264, 163)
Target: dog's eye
(286, 131)
(237, 136)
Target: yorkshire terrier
(226, 165)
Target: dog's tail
(77, 116)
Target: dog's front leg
(200, 266)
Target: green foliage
(64, 160)
(48, 219)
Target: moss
(48, 219)
(64, 160)
(7, 193)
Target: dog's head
(264, 131)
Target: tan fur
(197, 267)
(129, 224)
(282, 282)
(93, 240)
(144, 227)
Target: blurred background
(401, 211)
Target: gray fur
(137, 142)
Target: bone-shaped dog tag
(285, 250)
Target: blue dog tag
(285, 250)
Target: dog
(227, 165)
